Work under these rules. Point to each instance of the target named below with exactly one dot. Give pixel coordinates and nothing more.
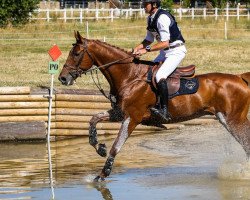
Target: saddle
(174, 79)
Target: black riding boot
(163, 90)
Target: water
(197, 162)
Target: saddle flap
(174, 79)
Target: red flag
(55, 52)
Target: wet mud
(196, 162)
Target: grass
(24, 58)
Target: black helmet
(158, 2)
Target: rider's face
(147, 7)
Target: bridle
(77, 71)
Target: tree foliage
(16, 12)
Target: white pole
(47, 15)
(238, 11)
(87, 29)
(65, 15)
(96, 14)
(225, 30)
(180, 13)
(216, 13)
(81, 15)
(192, 12)
(227, 12)
(112, 15)
(48, 136)
(204, 13)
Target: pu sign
(53, 67)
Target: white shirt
(163, 24)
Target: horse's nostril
(62, 79)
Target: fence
(24, 110)
(111, 14)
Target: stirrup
(161, 115)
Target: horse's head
(79, 60)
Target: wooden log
(25, 105)
(101, 126)
(80, 132)
(81, 98)
(23, 112)
(23, 98)
(25, 118)
(72, 118)
(84, 105)
(78, 91)
(72, 111)
(14, 90)
(22, 131)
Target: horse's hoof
(98, 179)
(102, 150)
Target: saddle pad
(187, 86)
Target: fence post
(180, 13)
(112, 14)
(87, 29)
(227, 12)
(225, 30)
(126, 14)
(204, 13)
(130, 12)
(71, 12)
(238, 11)
(47, 15)
(216, 13)
(96, 14)
(192, 12)
(81, 15)
(248, 15)
(65, 15)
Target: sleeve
(163, 24)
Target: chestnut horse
(225, 95)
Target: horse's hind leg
(111, 115)
(239, 127)
(241, 131)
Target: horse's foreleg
(126, 129)
(100, 148)
(111, 115)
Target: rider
(161, 25)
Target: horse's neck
(117, 73)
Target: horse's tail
(246, 77)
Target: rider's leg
(163, 90)
(171, 62)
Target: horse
(226, 96)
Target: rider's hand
(140, 52)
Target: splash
(234, 170)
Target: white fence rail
(111, 14)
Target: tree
(16, 12)
(167, 4)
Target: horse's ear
(78, 37)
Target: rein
(78, 71)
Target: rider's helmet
(157, 2)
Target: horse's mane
(113, 46)
(136, 60)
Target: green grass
(24, 57)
